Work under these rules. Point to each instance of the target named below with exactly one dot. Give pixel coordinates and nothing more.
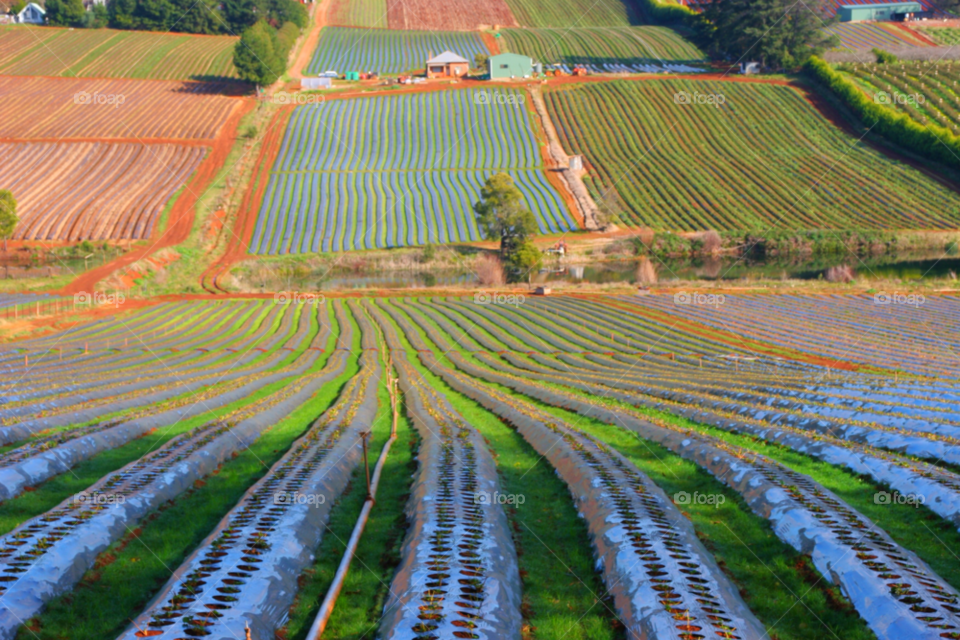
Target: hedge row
(931, 141)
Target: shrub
(931, 141)
(489, 270)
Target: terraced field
(406, 170)
(93, 190)
(691, 155)
(108, 53)
(62, 108)
(420, 15)
(649, 426)
(386, 51)
(601, 45)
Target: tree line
(211, 17)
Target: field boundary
(182, 214)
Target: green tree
(17, 7)
(120, 13)
(524, 260)
(96, 18)
(65, 13)
(480, 61)
(780, 34)
(196, 16)
(258, 55)
(8, 216)
(239, 15)
(503, 216)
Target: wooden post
(26, 360)
(85, 348)
(366, 465)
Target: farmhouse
(509, 65)
(31, 14)
(885, 11)
(447, 65)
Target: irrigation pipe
(326, 607)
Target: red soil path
(242, 233)
(182, 214)
(310, 42)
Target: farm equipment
(579, 71)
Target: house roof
(35, 6)
(446, 57)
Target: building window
(504, 66)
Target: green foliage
(97, 18)
(17, 7)
(280, 12)
(65, 13)
(884, 57)
(663, 244)
(287, 35)
(258, 56)
(186, 16)
(952, 248)
(502, 215)
(480, 61)
(429, 253)
(780, 34)
(523, 261)
(8, 215)
(238, 14)
(931, 141)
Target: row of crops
(107, 53)
(107, 109)
(93, 190)
(885, 329)
(388, 52)
(686, 154)
(111, 425)
(601, 45)
(926, 91)
(860, 36)
(400, 170)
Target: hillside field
(406, 170)
(108, 53)
(689, 155)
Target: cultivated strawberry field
(388, 52)
(107, 53)
(698, 460)
(400, 170)
(684, 154)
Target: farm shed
(32, 14)
(447, 65)
(509, 65)
(316, 83)
(885, 11)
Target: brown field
(62, 108)
(455, 15)
(93, 190)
